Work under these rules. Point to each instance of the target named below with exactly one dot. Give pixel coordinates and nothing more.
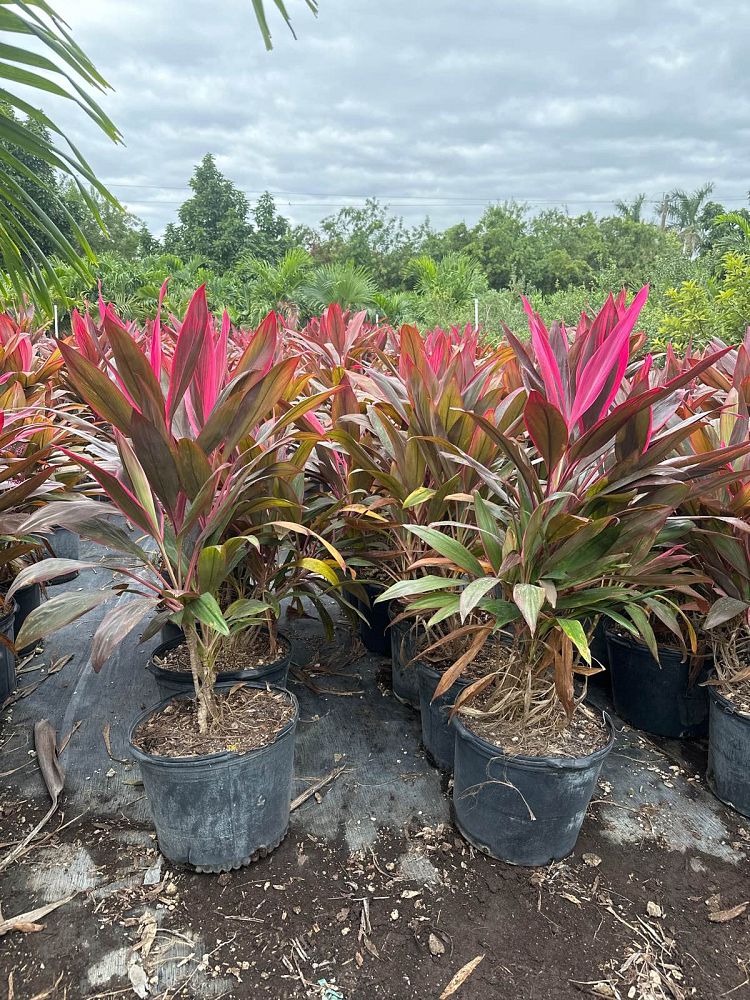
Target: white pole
(377, 318)
(476, 314)
(56, 327)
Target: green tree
(270, 235)
(632, 210)
(685, 213)
(213, 222)
(351, 286)
(371, 239)
(499, 242)
(124, 233)
(262, 285)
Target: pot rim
(673, 652)
(726, 705)
(534, 763)
(184, 675)
(222, 755)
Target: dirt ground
(372, 894)
(315, 920)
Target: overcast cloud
(434, 106)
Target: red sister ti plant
(210, 468)
(579, 525)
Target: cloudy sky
(436, 107)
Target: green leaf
(577, 635)
(530, 600)
(641, 622)
(418, 496)
(58, 612)
(47, 569)
(423, 584)
(206, 609)
(448, 547)
(212, 568)
(473, 594)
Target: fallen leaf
(592, 860)
(148, 936)
(653, 909)
(723, 916)
(138, 980)
(571, 898)
(370, 946)
(435, 945)
(410, 893)
(106, 733)
(460, 977)
(31, 916)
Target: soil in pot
(219, 800)
(666, 698)
(247, 658)
(525, 802)
(8, 678)
(728, 772)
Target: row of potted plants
(501, 502)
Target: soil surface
(248, 718)
(245, 652)
(586, 734)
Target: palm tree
(351, 286)
(260, 13)
(263, 287)
(685, 211)
(737, 239)
(632, 210)
(51, 63)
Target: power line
(414, 201)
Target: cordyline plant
(581, 528)
(203, 458)
(420, 449)
(720, 537)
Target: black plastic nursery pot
(27, 600)
(524, 810)
(218, 812)
(728, 772)
(65, 545)
(404, 678)
(657, 697)
(175, 682)
(438, 731)
(171, 631)
(8, 678)
(374, 632)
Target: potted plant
(418, 454)
(578, 530)
(719, 538)
(217, 763)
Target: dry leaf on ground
(723, 916)
(460, 977)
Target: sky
(435, 107)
